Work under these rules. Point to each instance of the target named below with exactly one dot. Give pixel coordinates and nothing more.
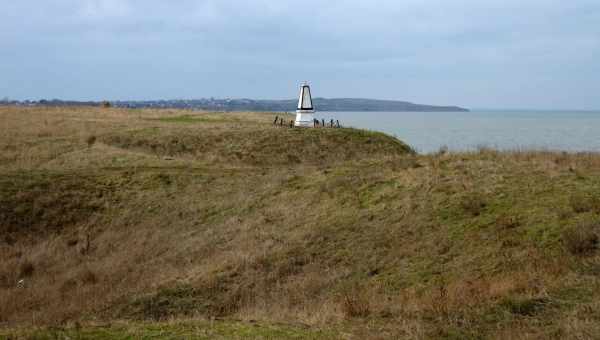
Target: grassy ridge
(153, 215)
(257, 147)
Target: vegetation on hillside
(149, 216)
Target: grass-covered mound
(150, 216)
(261, 145)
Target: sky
(534, 54)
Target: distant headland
(212, 104)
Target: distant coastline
(212, 104)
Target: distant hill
(321, 104)
(359, 104)
(336, 104)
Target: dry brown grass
(158, 214)
(582, 239)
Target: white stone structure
(305, 114)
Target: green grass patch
(525, 306)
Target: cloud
(103, 9)
(431, 51)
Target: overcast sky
(473, 53)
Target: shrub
(90, 140)
(355, 304)
(215, 297)
(5, 281)
(508, 222)
(9, 240)
(88, 277)
(473, 204)
(581, 203)
(67, 287)
(26, 269)
(563, 213)
(178, 300)
(580, 240)
(524, 306)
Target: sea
(427, 132)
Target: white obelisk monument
(305, 114)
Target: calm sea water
(429, 131)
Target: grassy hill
(132, 223)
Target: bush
(563, 213)
(473, 204)
(508, 222)
(581, 203)
(355, 304)
(580, 240)
(26, 269)
(88, 277)
(524, 306)
(5, 281)
(90, 141)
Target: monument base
(305, 119)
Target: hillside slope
(145, 216)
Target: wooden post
(291, 123)
(281, 122)
(323, 121)
(338, 123)
(276, 119)
(331, 123)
